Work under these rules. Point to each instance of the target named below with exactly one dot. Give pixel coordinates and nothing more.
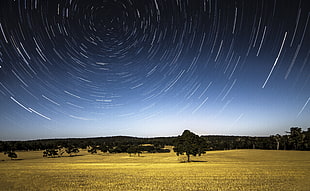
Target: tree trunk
(278, 145)
(188, 160)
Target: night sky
(89, 68)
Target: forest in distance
(295, 139)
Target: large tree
(296, 137)
(276, 138)
(190, 144)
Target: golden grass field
(217, 170)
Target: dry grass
(218, 170)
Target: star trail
(75, 68)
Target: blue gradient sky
(99, 68)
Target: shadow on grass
(198, 161)
(11, 160)
(194, 161)
(73, 156)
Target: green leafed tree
(92, 149)
(276, 138)
(296, 137)
(72, 149)
(11, 154)
(190, 144)
(134, 150)
(50, 153)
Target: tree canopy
(11, 154)
(190, 144)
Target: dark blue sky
(75, 68)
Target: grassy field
(217, 170)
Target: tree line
(295, 139)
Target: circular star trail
(75, 68)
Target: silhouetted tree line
(295, 139)
(117, 144)
(60, 150)
(130, 148)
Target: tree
(50, 153)
(296, 137)
(307, 139)
(11, 154)
(190, 144)
(92, 150)
(61, 150)
(72, 149)
(277, 139)
(134, 149)
(285, 141)
(104, 148)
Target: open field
(217, 170)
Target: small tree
(131, 150)
(104, 148)
(92, 150)
(50, 153)
(277, 139)
(134, 149)
(72, 149)
(190, 144)
(61, 150)
(11, 154)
